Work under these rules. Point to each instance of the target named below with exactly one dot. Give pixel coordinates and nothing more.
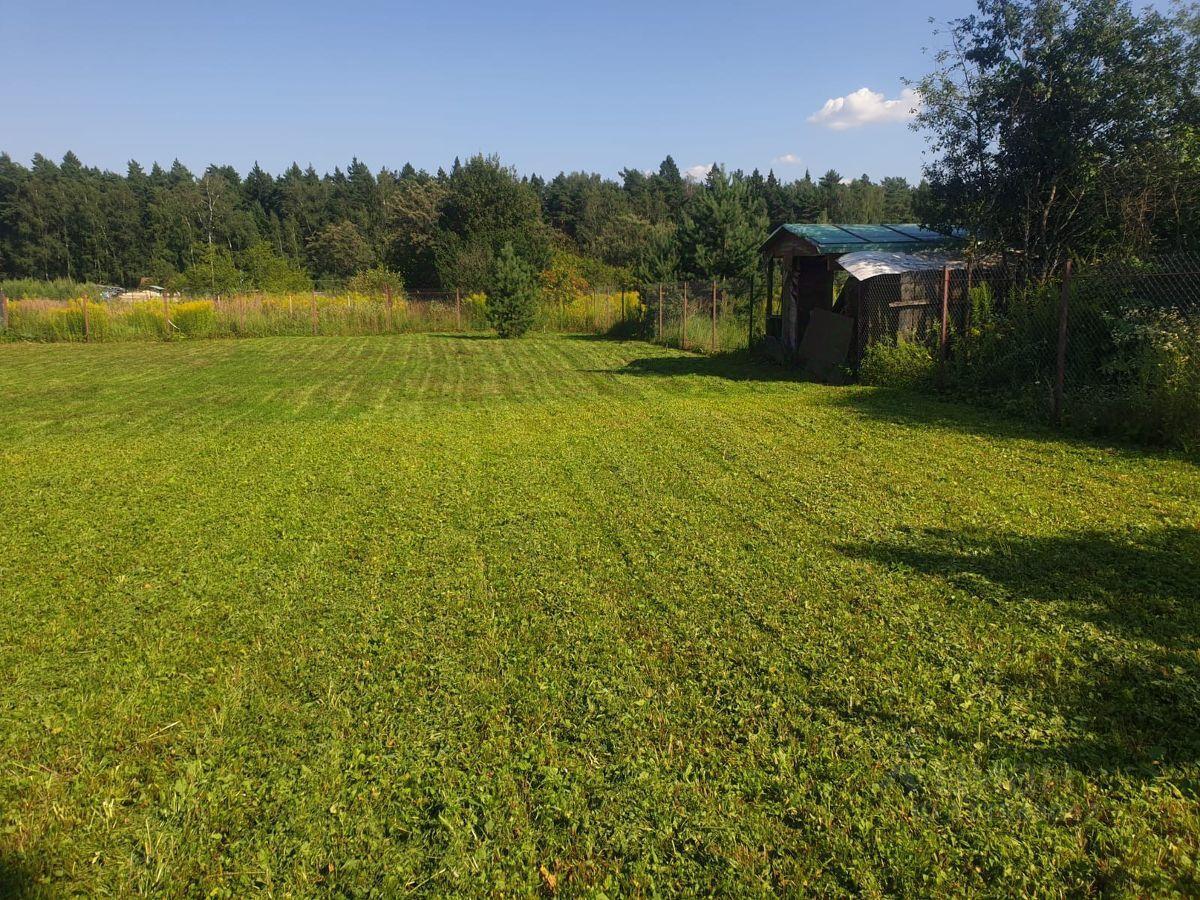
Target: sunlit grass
(448, 614)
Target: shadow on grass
(737, 365)
(1134, 695)
(921, 411)
(15, 880)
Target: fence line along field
(450, 614)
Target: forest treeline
(218, 231)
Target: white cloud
(788, 159)
(697, 173)
(865, 107)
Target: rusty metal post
(967, 297)
(87, 325)
(4, 309)
(1060, 362)
(944, 342)
(660, 311)
(683, 321)
(713, 340)
(750, 315)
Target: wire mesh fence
(1114, 347)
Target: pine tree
(513, 298)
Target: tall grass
(54, 289)
(261, 315)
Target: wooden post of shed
(87, 325)
(944, 342)
(4, 309)
(769, 311)
(713, 339)
(1060, 362)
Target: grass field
(444, 614)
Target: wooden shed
(807, 259)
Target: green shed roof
(836, 239)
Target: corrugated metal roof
(832, 239)
(864, 264)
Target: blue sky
(547, 86)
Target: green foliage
(87, 225)
(723, 229)
(339, 250)
(377, 282)
(1156, 367)
(960, 663)
(1065, 128)
(512, 301)
(267, 271)
(55, 289)
(211, 273)
(906, 364)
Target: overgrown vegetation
(292, 616)
(903, 363)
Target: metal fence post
(313, 311)
(87, 326)
(713, 339)
(4, 309)
(750, 315)
(166, 316)
(1060, 361)
(660, 311)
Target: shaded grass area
(444, 615)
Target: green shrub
(376, 282)
(1155, 368)
(902, 364)
(512, 304)
(54, 289)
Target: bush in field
(1156, 368)
(512, 303)
(71, 323)
(195, 318)
(376, 282)
(902, 364)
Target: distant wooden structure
(807, 258)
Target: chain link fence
(1113, 348)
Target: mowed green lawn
(445, 614)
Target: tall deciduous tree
(1065, 128)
